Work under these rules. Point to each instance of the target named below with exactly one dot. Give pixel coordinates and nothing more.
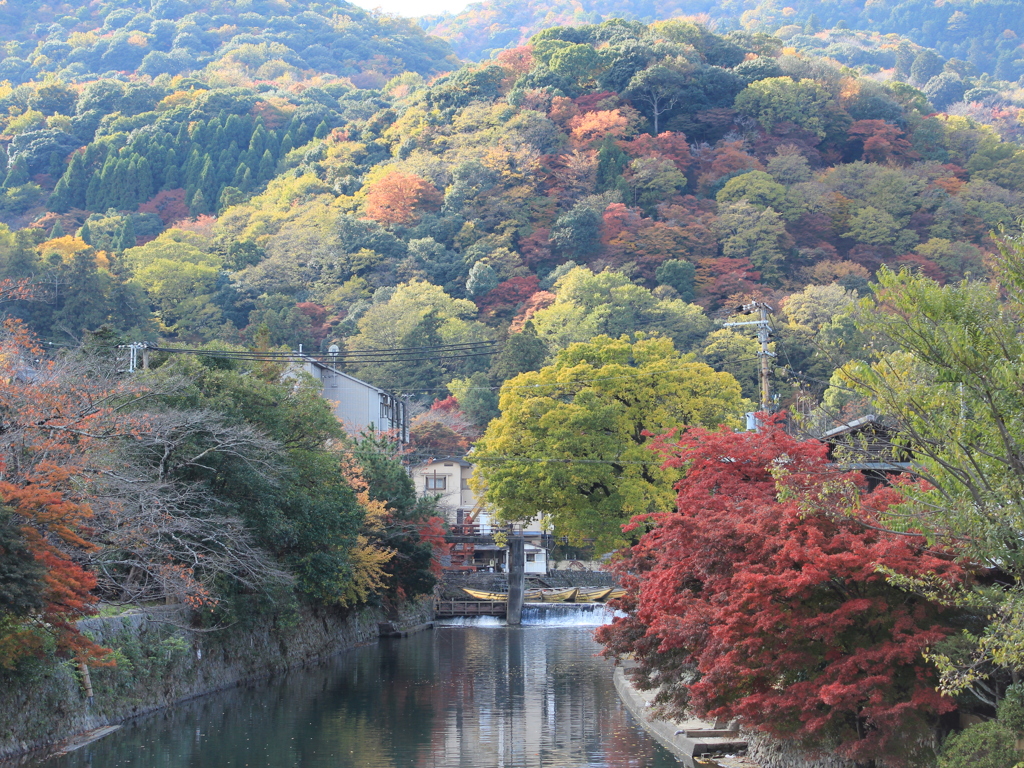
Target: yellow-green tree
(572, 438)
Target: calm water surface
(474, 696)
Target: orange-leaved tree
(55, 416)
(400, 198)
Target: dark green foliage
(21, 575)
(425, 375)
(521, 352)
(985, 745)
(944, 89)
(466, 85)
(482, 278)
(679, 275)
(80, 303)
(126, 237)
(576, 233)
(302, 509)
(478, 399)
(611, 161)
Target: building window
(436, 482)
(531, 558)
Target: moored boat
(551, 595)
(479, 594)
(615, 594)
(593, 594)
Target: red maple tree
(749, 602)
(881, 142)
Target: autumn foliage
(399, 198)
(52, 422)
(759, 599)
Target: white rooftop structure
(357, 405)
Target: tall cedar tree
(759, 599)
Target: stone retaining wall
(770, 753)
(161, 661)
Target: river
(476, 695)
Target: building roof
(455, 459)
(852, 426)
(306, 359)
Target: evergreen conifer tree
(172, 179)
(126, 237)
(425, 375)
(287, 144)
(611, 161)
(60, 200)
(129, 309)
(17, 175)
(198, 206)
(239, 178)
(258, 142)
(55, 166)
(267, 167)
(84, 304)
(93, 194)
(57, 230)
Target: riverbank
(161, 660)
(700, 744)
(693, 742)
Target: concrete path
(694, 742)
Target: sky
(413, 7)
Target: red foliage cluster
(531, 306)
(506, 298)
(742, 604)
(319, 325)
(436, 438)
(723, 277)
(670, 145)
(169, 205)
(432, 530)
(881, 142)
(447, 405)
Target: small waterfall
(568, 615)
(545, 615)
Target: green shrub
(985, 745)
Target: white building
(448, 479)
(357, 405)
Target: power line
(412, 355)
(356, 355)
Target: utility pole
(764, 333)
(133, 355)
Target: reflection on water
(532, 697)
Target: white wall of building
(448, 478)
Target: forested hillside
(984, 34)
(228, 41)
(608, 179)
